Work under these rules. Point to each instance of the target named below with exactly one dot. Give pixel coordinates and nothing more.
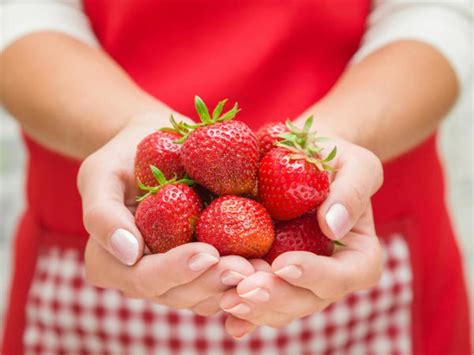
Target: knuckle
(356, 192)
(83, 172)
(138, 286)
(91, 214)
(375, 166)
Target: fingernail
(241, 308)
(202, 261)
(290, 272)
(337, 219)
(231, 278)
(258, 295)
(125, 246)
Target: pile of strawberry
(253, 195)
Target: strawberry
(236, 226)
(268, 135)
(300, 234)
(167, 213)
(158, 149)
(292, 178)
(220, 154)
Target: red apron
(276, 59)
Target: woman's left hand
(299, 283)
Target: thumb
(105, 216)
(359, 175)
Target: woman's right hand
(191, 276)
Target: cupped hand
(299, 283)
(190, 276)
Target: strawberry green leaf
(287, 136)
(186, 181)
(141, 185)
(286, 144)
(314, 149)
(291, 127)
(328, 167)
(307, 125)
(159, 176)
(141, 198)
(190, 126)
(218, 110)
(331, 155)
(181, 140)
(202, 110)
(173, 122)
(230, 114)
(301, 141)
(338, 243)
(167, 129)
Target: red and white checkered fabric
(66, 315)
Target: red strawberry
(158, 149)
(268, 135)
(292, 179)
(301, 234)
(220, 154)
(236, 226)
(167, 214)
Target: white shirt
(444, 24)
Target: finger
(264, 299)
(238, 328)
(264, 289)
(208, 307)
(256, 313)
(102, 187)
(261, 265)
(228, 272)
(152, 275)
(356, 266)
(233, 304)
(358, 176)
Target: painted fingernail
(290, 272)
(258, 295)
(231, 278)
(337, 219)
(202, 261)
(125, 246)
(241, 309)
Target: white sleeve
(21, 17)
(444, 24)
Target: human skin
(380, 108)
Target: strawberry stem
(185, 129)
(162, 181)
(302, 143)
